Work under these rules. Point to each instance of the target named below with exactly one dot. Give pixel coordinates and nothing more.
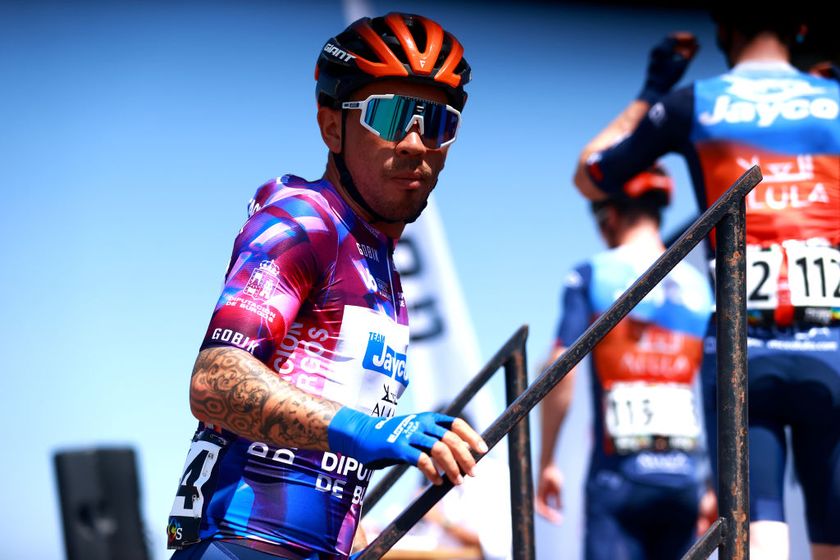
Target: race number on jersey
(814, 276)
(637, 412)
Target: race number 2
(814, 276)
(763, 267)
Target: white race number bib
(814, 276)
(639, 411)
(763, 267)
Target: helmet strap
(347, 179)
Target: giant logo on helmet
(340, 54)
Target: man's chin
(413, 218)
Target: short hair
(650, 203)
(751, 18)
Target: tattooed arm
(232, 389)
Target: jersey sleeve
(274, 266)
(576, 312)
(664, 129)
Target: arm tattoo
(232, 389)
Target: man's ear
(329, 121)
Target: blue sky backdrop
(133, 134)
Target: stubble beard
(410, 215)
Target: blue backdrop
(132, 135)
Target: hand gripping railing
(730, 532)
(511, 356)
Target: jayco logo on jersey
(764, 114)
(764, 101)
(384, 359)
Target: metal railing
(511, 357)
(730, 532)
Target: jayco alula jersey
(646, 420)
(787, 122)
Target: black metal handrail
(511, 357)
(514, 344)
(730, 533)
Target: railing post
(733, 440)
(514, 344)
(519, 460)
(732, 527)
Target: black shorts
(794, 381)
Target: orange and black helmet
(402, 46)
(651, 190)
(654, 183)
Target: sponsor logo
(770, 89)
(174, 531)
(367, 251)
(765, 113)
(407, 425)
(236, 338)
(263, 281)
(785, 171)
(340, 54)
(384, 359)
(383, 288)
(674, 462)
(573, 280)
(785, 184)
(389, 396)
(382, 407)
(280, 455)
(344, 465)
(253, 207)
(656, 365)
(288, 359)
(782, 197)
(657, 114)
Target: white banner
(443, 352)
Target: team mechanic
(762, 111)
(646, 470)
(301, 367)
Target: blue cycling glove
(379, 442)
(667, 63)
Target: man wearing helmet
(297, 380)
(645, 473)
(762, 111)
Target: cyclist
(297, 379)
(762, 111)
(646, 471)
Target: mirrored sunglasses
(391, 116)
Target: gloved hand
(379, 442)
(667, 64)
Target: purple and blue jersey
(312, 292)
(646, 422)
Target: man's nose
(412, 143)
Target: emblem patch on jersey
(263, 281)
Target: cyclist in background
(647, 470)
(762, 111)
